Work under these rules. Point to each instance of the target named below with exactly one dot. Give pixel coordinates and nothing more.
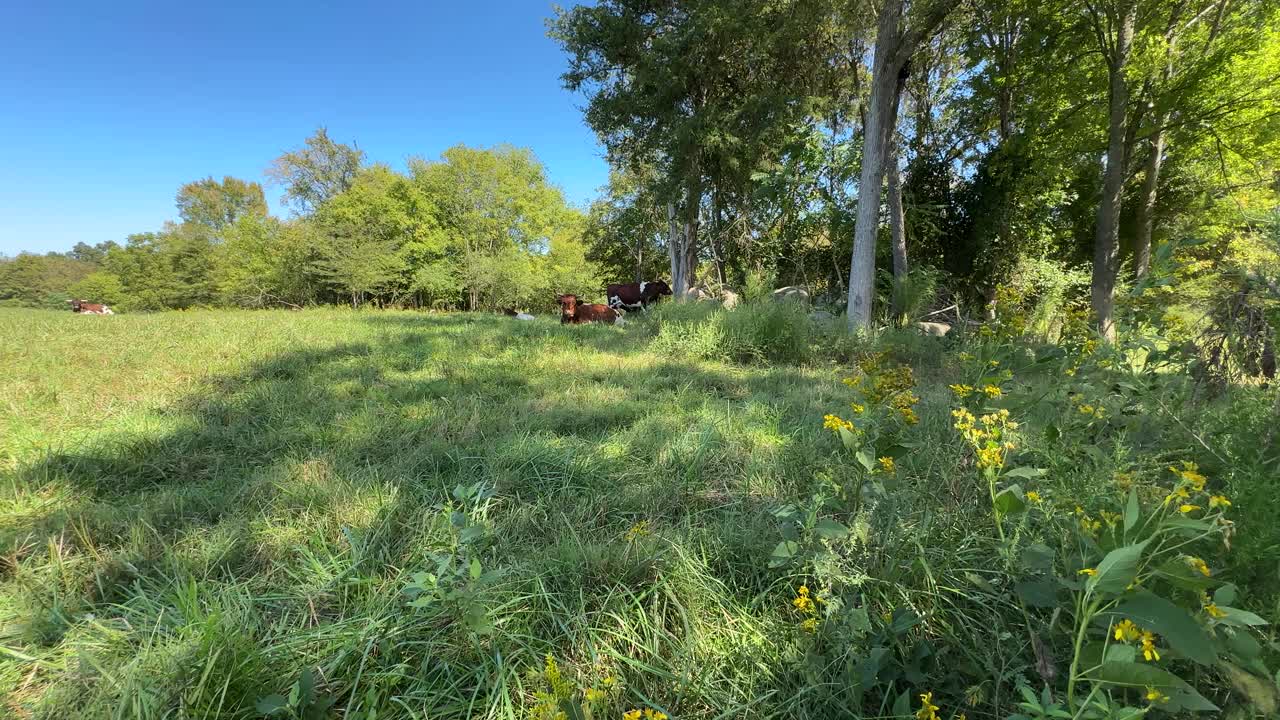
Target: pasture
(237, 514)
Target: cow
(630, 296)
(517, 314)
(88, 308)
(573, 312)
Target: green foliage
(219, 205)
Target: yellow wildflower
(1110, 518)
(651, 714)
(993, 391)
(803, 602)
(908, 415)
(962, 391)
(810, 625)
(835, 423)
(631, 715)
(1090, 525)
(1033, 497)
(858, 409)
(964, 419)
(638, 530)
(1127, 632)
(993, 363)
(887, 465)
(1187, 508)
(1219, 501)
(593, 695)
(1214, 611)
(1149, 646)
(1155, 696)
(990, 457)
(927, 711)
(1087, 571)
(1199, 565)
(1190, 472)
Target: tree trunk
(1147, 208)
(884, 78)
(1107, 242)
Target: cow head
(655, 289)
(568, 307)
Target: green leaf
(1118, 569)
(475, 569)
(1051, 432)
(1189, 527)
(1178, 573)
(1140, 676)
(980, 582)
(1029, 473)
(1131, 510)
(865, 460)
(1175, 625)
(1038, 557)
(1038, 593)
(902, 706)
(784, 551)
(1010, 500)
(849, 439)
(830, 529)
(272, 704)
(1239, 618)
(1119, 652)
(1225, 595)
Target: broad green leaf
(271, 704)
(784, 551)
(1038, 593)
(1239, 618)
(1131, 510)
(1119, 652)
(849, 439)
(1260, 690)
(1177, 572)
(979, 582)
(475, 569)
(1173, 624)
(1038, 557)
(902, 706)
(1225, 595)
(1139, 676)
(1029, 473)
(830, 529)
(1118, 569)
(1189, 527)
(865, 460)
(1010, 500)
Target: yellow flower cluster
(992, 391)
(1034, 497)
(961, 391)
(887, 466)
(647, 714)
(834, 423)
(1154, 696)
(990, 440)
(1126, 631)
(806, 604)
(639, 530)
(927, 711)
(1211, 608)
(1198, 565)
(1190, 474)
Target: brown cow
(573, 312)
(87, 308)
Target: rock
(791, 292)
(697, 293)
(523, 316)
(933, 328)
(728, 298)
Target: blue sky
(106, 108)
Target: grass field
(401, 515)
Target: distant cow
(517, 314)
(571, 311)
(88, 308)
(636, 295)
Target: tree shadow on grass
(315, 468)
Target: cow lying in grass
(517, 314)
(571, 311)
(88, 308)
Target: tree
(319, 170)
(218, 205)
(895, 43)
(1113, 26)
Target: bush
(757, 331)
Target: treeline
(477, 229)
(842, 147)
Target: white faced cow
(632, 296)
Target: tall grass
(203, 514)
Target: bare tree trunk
(884, 78)
(1107, 242)
(1147, 206)
(675, 251)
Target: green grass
(197, 508)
